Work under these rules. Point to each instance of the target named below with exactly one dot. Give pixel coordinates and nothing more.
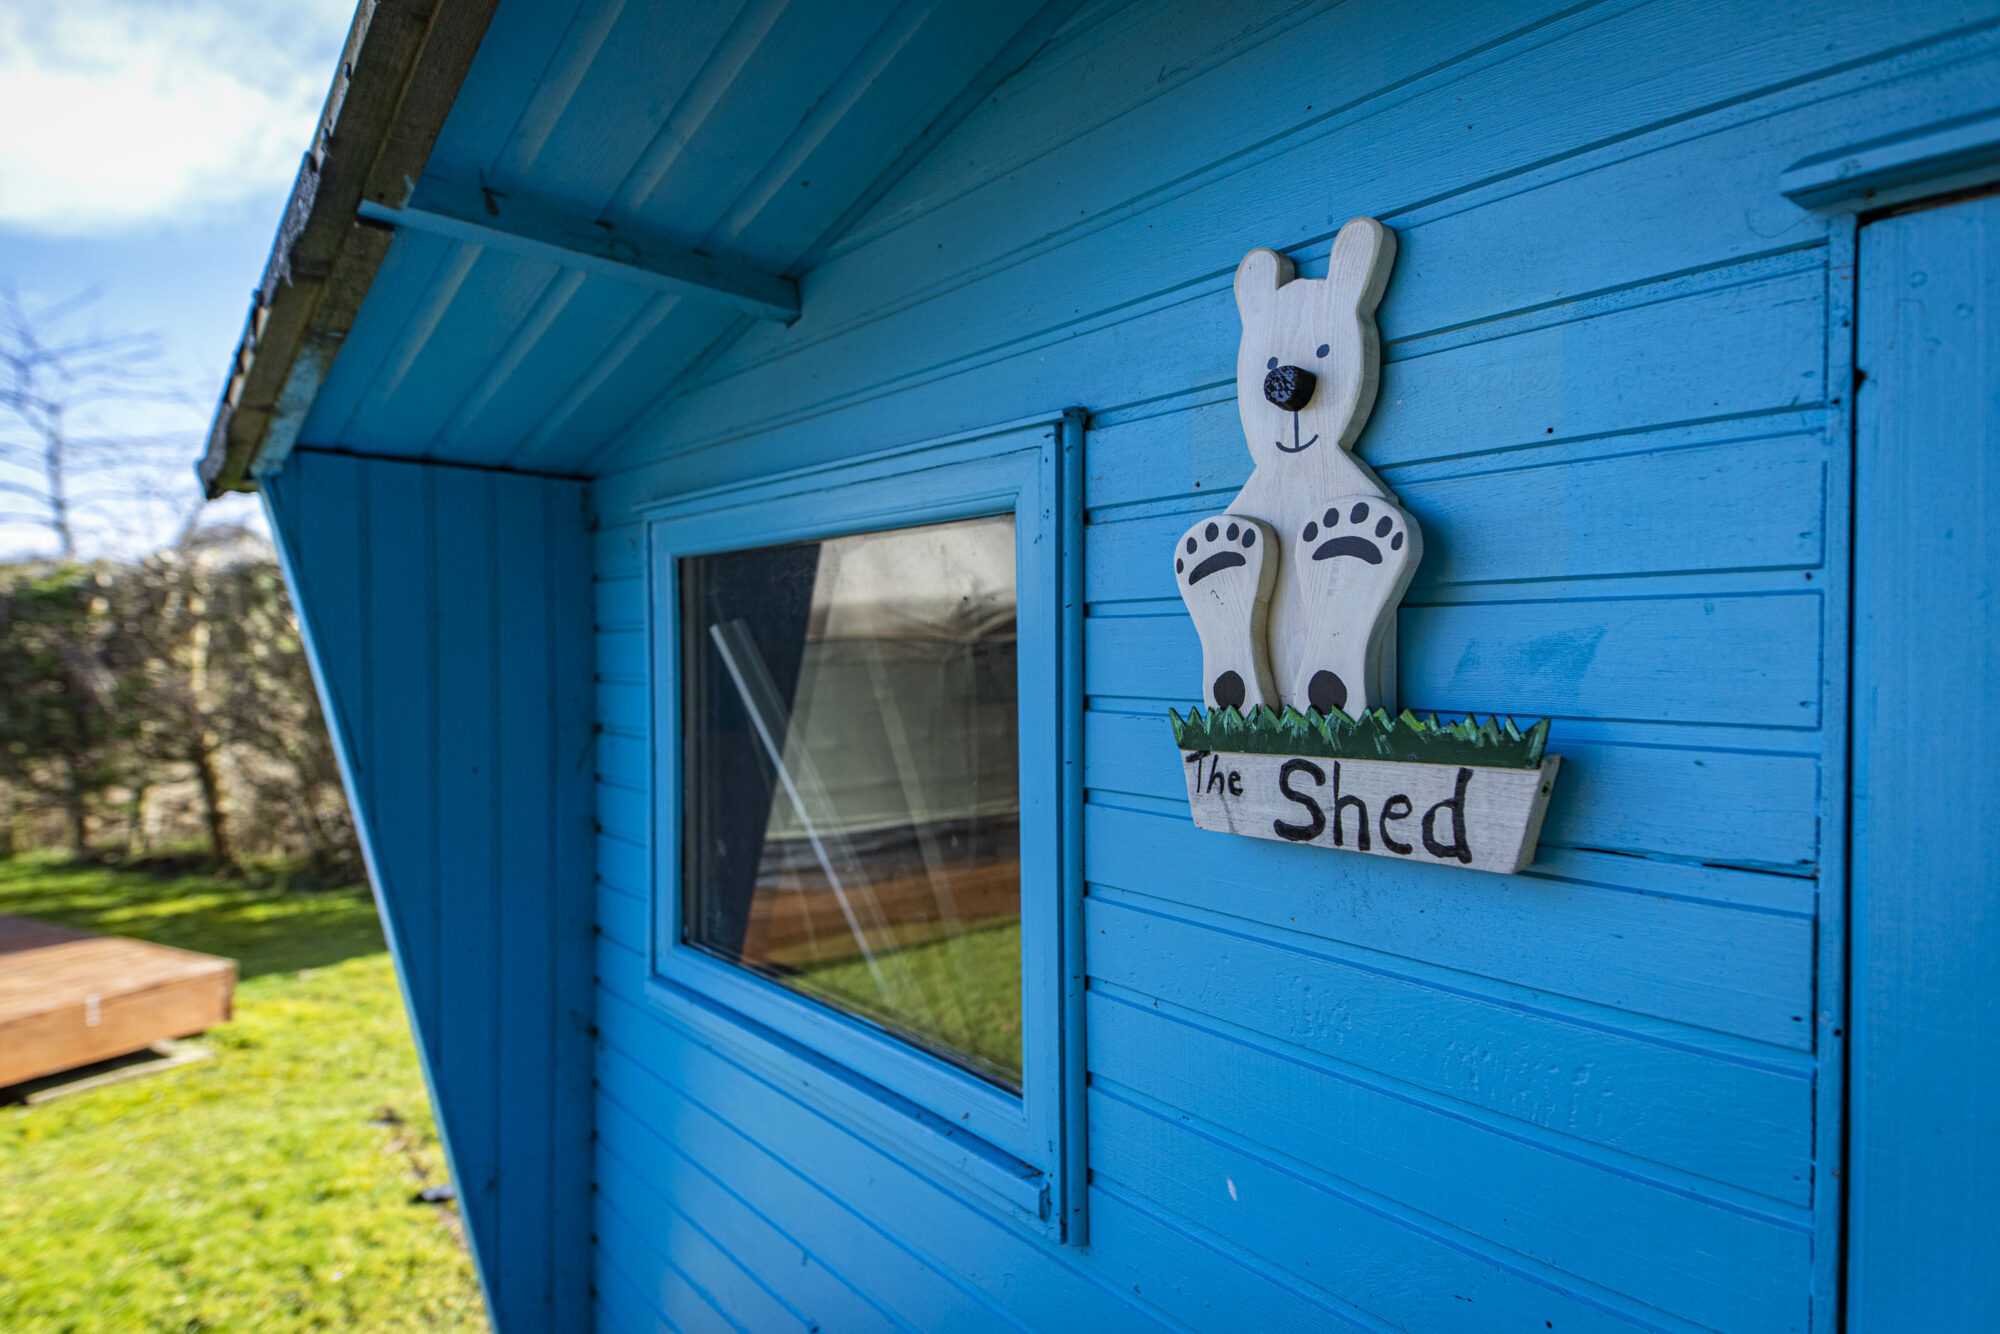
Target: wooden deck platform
(68, 998)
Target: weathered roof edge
(398, 77)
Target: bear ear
(1259, 277)
(1357, 271)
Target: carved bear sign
(1294, 590)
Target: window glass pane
(852, 811)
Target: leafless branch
(48, 377)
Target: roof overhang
(398, 77)
(526, 229)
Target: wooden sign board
(1293, 591)
(1450, 815)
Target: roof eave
(398, 77)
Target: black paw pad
(1239, 535)
(1325, 692)
(1229, 693)
(1353, 543)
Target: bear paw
(1354, 560)
(1225, 568)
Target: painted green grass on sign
(266, 1188)
(1376, 735)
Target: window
(851, 823)
(867, 797)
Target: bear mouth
(1295, 447)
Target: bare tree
(51, 380)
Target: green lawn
(265, 1189)
(961, 994)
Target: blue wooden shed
(727, 458)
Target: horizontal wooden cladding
(1698, 186)
(1755, 504)
(1326, 1254)
(622, 655)
(618, 551)
(1552, 929)
(666, 1254)
(625, 812)
(1748, 660)
(625, 761)
(1737, 1121)
(1711, 1263)
(1114, 216)
(1695, 800)
(903, 1229)
(619, 602)
(732, 1220)
(1619, 362)
(714, 1159)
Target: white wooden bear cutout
(1294, 590)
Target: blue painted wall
(447, 610)
(1925, 1228)
(1327, 1091)
(1323, 1091)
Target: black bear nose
(1290, 387)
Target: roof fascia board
(523, 227)
(398, 76)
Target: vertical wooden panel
(468, 785)
(572, 908)
(523, 725)
(447, 614)
(1925, 1130)
(397, 563)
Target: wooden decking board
(69, 998)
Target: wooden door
(1924, 1130)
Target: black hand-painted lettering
(1301, 833)
(1395, 808)
(1455, 803)
(1340, 804)
(1215, 779)
(1235, 783)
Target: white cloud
(116, 114)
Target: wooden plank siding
(446, 609)
(1328, 1091)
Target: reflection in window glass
(852, 799)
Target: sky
(147, 148)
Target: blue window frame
(1019, 1149)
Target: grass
(960, 995)
(1375, 735)
(267, 1188)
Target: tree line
(153, 701)
(164, 701)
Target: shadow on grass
(264, 930)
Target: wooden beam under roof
(525, 227)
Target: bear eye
(1322, 350)
(1271, 365)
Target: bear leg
(1225, 567)
(1354, 558)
